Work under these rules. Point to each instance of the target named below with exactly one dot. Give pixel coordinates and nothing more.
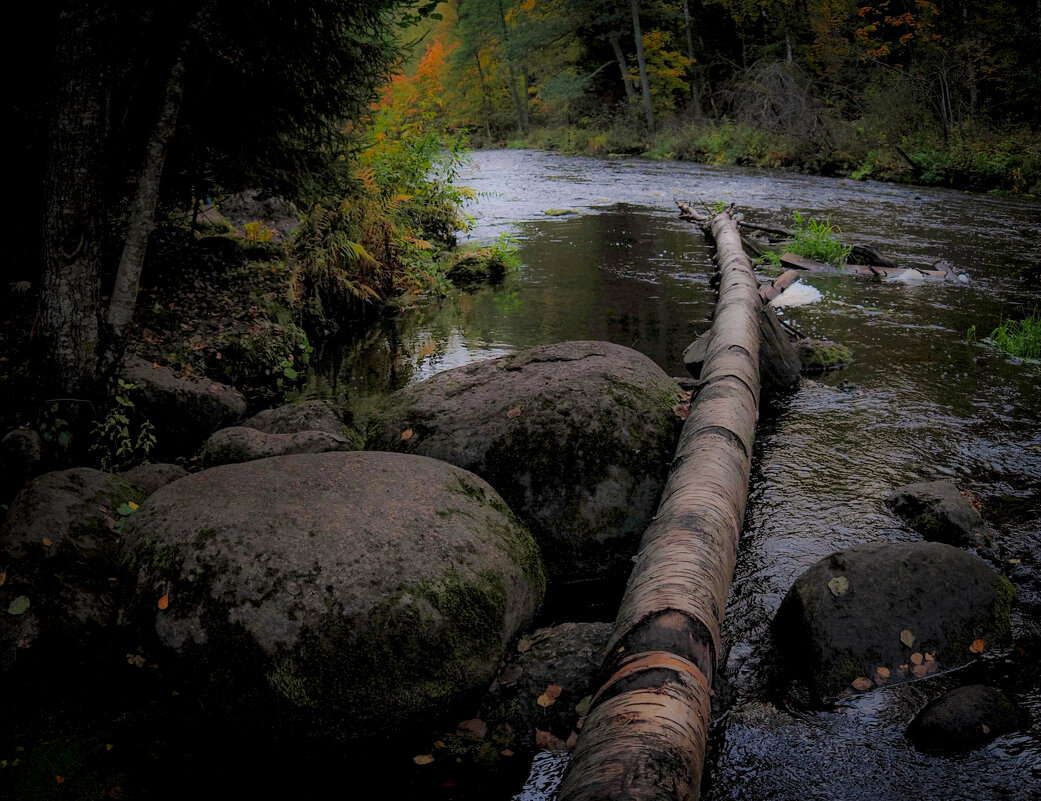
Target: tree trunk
(695, 89)
(619, 56)
(646, 735)
(142, 215)
(67, 344)
(644, 85)
(511, 73)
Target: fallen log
(778, 285)
(794, 262)
(646, 735)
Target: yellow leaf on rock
(133, 505)
(838, 585)
(907, 637)
(917, 658)
(978, 646)
(407, 433)
(423, 759)
(544, 700)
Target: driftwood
(793, 262)
(646, 735)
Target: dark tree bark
(623, 67)
(67, 337)
(644, 85)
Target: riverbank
(975, 159)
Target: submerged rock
(576, 436)
(242, 444)
(964, 718)
(59, 551)
(821, 355)
(940, 512)
(883, 613)
(353, 594)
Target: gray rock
(20, 452)
(60, 547)
(294, 417)
(150, 477)
(964, 718)
(576, 436)
(184, 409)
(884, 613)
(821, 355)
(241, 444)
(940, 512)
(354, 594)
(565, 659)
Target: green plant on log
(123, 436)
(1021, 338)
(816, 239)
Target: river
(920, 402)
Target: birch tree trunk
(646, 735)
(619, 56)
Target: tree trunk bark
(695, 89)
(644, 85)
(142, 215)
(67, 343)
(619, 56)
(646, 735)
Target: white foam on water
(798, 294)
(547, 769)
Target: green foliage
(123, 436)
(487, 263)
(1020, 338)
(816, 240)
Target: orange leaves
(423, 759)
(407, 434)
(862, 684)
(978, 646)
(47, 542)
(549, 695)
(164, 602)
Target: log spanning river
(919, 403)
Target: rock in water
(964, 718)
(576, 436)
(352, 593)
(883, 613)
(939, 512)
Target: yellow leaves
(136, 660)
(917, 658)
(839, 586)
(862, 684)
(423, 759)
(549, 695)
(978, 646)
(407, 434)
(907, 637)
(164, 602)
(882, 674)
(133, 505)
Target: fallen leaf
(572, 741)
(59, 779)
(47, 542)
(924, 669)
(985, 727)
(3, 577)
(583, 706)
(838, 585)
(407, 433)
(164, 602)
(553, 690)
(133, 505)
(523, 645)
(907, 638)
(1014, 561)
(514, 412)
(883, 672)
(917, 658)
(862, 684)
(682, 410)
(136, 660)
(930, 657)
(19, 606)
(474, 729)
(978, 646)
(544, 700)
(905, 666)
(506, 752)
(423, 759)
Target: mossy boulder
(964, 718)
(291, 418)
(59, 550)
(351, 594)
(940, 513)
(244, 444)
(184, 409)
(883, 613)
(577, 437)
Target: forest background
(359, 114)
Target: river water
(920, 402)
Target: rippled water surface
(919, 403)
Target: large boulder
(964, 718)
(312, 415)
(149, 477)
(352, 593)
(940, 512)
(184, 409)
(243, 444)
(59, 544)
(883, 613)
(576, 436)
